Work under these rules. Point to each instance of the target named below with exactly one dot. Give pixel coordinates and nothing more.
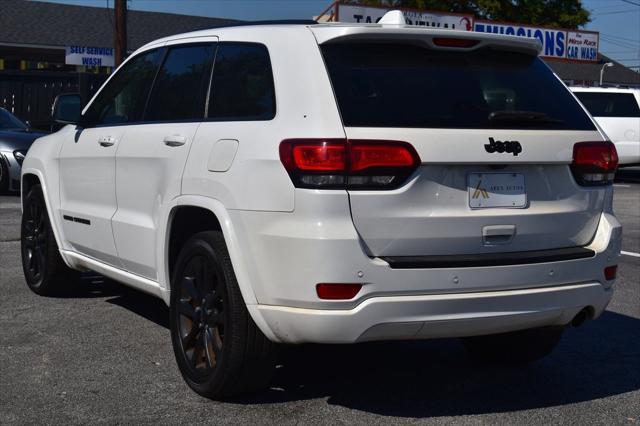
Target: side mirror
(67, 108)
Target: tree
(557, 13)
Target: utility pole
(120, 31)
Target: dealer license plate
(488, 190)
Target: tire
(518, 347)
(44, 270)
(219, 349)
(4, 177)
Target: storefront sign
(582, 46)
(89, 56)
(556, 43)
(362, 14)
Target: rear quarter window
(242, 83)
(601, 104)
(405, 85)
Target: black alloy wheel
(219, 349)
(44, 270)
(34, 240)
(4, 176)
(201, 315)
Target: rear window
(402, 85)
(609, 104)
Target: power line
(614, 43)
(631, 2)
(621, 38)
(615, 12)
(620, 43)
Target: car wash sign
(371, 15)
(582, 45)
(89, 56)
(556, 43)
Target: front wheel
(4, 177)
(219, 349)
(518, 347)
(44, 270)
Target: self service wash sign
(89, 56)
(556, 43)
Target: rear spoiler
(337, 33)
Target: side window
(603, 104)
(180, 87)
(124, 97)
(242, 83)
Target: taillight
(594, 163)
(348, 164)
(454, 42)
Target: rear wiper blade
(515, 115)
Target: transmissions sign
(556, 43)
(574, 45)
(368, 14)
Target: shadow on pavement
(436, 378)
(628, 175)
(91, 285)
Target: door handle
(106, 141)
(175, 140)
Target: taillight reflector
(454, 42)
(594, 163)
(337, 291)
(610, 272)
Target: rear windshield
(403, 85)
(609, 104)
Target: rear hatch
(494, 129)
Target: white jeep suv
(330, 183)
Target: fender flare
(55, 224)
(233, 247)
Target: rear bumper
(284, 256)
(431, 316)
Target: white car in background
(617, 112)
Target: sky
(618, 21)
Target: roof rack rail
(272, 22)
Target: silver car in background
(15, 139)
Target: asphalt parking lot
(103, 354)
